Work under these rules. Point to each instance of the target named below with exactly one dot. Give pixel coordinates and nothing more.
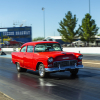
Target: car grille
(65, 63)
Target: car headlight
(80, 57)
(50, 60)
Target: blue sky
(29, 13)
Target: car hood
(59, 55)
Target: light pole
(44, 20)
(89, 6)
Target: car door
(21, 56)
(28, 57)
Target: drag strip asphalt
(58, 86)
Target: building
(56, 38)
(77, 41)
(17, 34)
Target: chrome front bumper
(57, 69)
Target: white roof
(60, 37)
(54, 37)
(97, 36)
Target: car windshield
(47, 47)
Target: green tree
(38, 39)
(88, 29)
(67, 27)
(98, 35)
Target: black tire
(74, 71)
(42, 72)
(20, 69)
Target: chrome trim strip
(62, 68)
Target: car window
(23, 49)
(30, 49)
(40, 48)
(56, 47)
(47, 47)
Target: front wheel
(74, 71)
(42, 72)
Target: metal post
(89, 6)
(44, 20)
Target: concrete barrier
(83, 50)
(10, 49)
(7, 49)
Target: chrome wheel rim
(18, 67)
(41, 70)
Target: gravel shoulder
(4, 97)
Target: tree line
(86, 32)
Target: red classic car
(46, 57)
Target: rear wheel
(20, 69)
(42, 72)
(74, 71)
